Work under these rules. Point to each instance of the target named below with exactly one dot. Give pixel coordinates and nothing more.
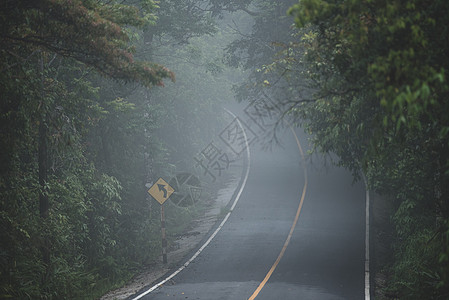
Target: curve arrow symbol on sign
(162, 189)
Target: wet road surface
(325, 256)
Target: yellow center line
(287, 241)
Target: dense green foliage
(384, 105)
(368, 80)
(81, 134)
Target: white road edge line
(219, 227)
(367, 230)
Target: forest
(100, 97)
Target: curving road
(325, 256)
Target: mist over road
(325, 256)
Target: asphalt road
(325, 256)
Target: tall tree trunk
(43, 165)
(444, 181)
(43, 169)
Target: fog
(224, 149)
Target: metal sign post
(161, 191)
(164, 237)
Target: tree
(48, 49)
(91, 32)
(380, 105)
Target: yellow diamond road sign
(161, 191)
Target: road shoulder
(187, 242)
